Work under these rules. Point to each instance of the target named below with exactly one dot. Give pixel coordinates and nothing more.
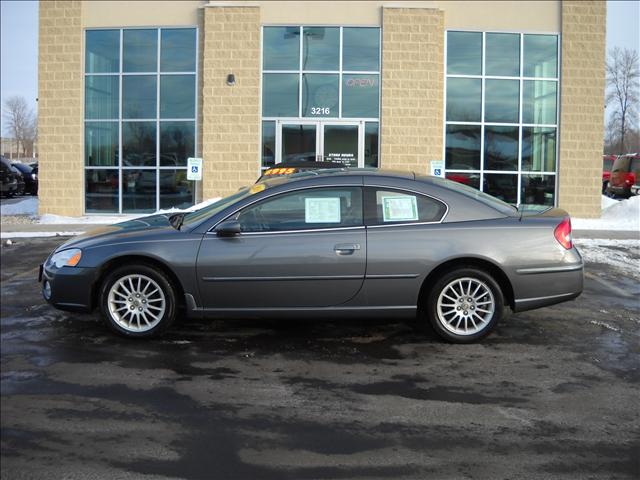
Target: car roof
(342, 172)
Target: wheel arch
(483, 264)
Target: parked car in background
(289, 168)
(359, 242)
(8, 177)
(607, 164)
(29, 176)
(625, 175)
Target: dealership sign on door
(194, 168)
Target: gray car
(332, 243)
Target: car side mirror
(230, 228)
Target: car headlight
(66, 258)
(34, 176)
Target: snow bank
(623, 255)
(37, 234)
(27, 206)
(616, 215)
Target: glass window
(464, 99)
(539, 102)
(140, 50)
(502, 186)
(341, 144)
(139, 190)
(469, 179)
(361, 49)
(538, 190)
(175, 190)
(298, 143)
(464, 53)
(541, 56)
(303, 210)
(539, 149)
(178, 50)
(139, 96)
(102, 51)
(320, 95)
(500, 148)
(503, 55)
(462, 151)
(101, 97)
(360, 96)
(268, 144)
(177, 96)
(501, 101)
(321, 48)
(371, 135)
(281, 48)
(101, 190)
(177, 143)
(101, 144)
(397, 206)
(280, 95)
(139, 144)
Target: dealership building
(507, 97)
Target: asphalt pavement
(551, 394)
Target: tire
(138, 301)
(456, 319)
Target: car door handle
(346, 248)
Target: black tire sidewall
(432, 304)
(160, 278)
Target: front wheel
(464, 305)
(138, 301)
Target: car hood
(121, 231)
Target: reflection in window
(501, 101)
(360, 96)
(102, 51)
(502, 186)
(175, 190)
(268, 144)
(281, 48)
(101, 144)
(538, 190)
(539, 100)
(139, 96)
(469, 179)
(361, 49)
(320, 95)
(503, 55)
(539, 149)
(139, 144)
(541, 56)
(101, 97)
(139, 190)
(371, 135)
(341, 144)
(178, 50)
(140, 50)
(500, 148)
(321, 48)
(462, 151)
(464, 99)
(464, 53)
(298, 143)
(177, 96)
(280, 95)
(101, 191)
(177, 143)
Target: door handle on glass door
(346, 248)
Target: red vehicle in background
(607, 164)
(625, 176)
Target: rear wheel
(464, 305)
(138, 301)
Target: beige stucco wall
(412, 88)
(137, 13)
(582, 87)
(230, 114)
(60, 110)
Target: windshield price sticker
(194, 168)
(399, 208)
(322, 210)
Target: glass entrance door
(341, 143)
(299, 142)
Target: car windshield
(208, 211)
(607, 164)
(493, 202)
(22, 167)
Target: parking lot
(552, 393)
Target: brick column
(412, 87)
(582, 90)
(60, 110)
(230, 114)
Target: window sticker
(399, 208)
(322, 210)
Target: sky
(19, 42)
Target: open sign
(361, 82)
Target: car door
(305, 248)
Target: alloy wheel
(465, 306)
(136, 303)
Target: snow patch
(623, 255)
(616, 215)
(28, 206)
(37, 234)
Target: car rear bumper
(550, 286)
(68, 288)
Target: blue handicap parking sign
(437, 172)
(194, 169)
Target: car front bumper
(68, 288)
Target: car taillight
(563, 233)
(630, 178)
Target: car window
(393, 206)
(621, 164)
(215, 208)
(635, 166)
(313, 208)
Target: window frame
(158, 73)
(520, 172)
(370, 207)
